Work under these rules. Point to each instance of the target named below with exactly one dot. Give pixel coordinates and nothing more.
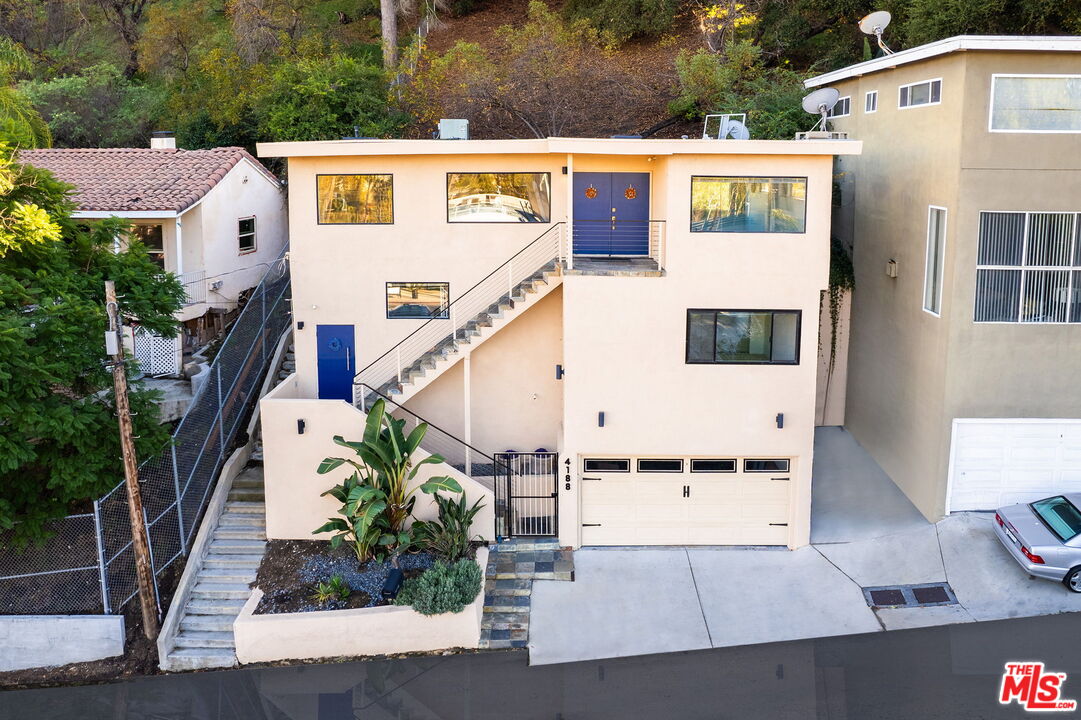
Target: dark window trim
(734, 461)
(446, 202)
(638, 465)
(320, 222)
(586, 461)
(748, 232)
(687, 338)
(444, 315)
(254, 235)
(786, 461)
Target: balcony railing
(620, 239)
(194, 286)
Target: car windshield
(1060, 515)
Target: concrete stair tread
(202, 658)
(237, 547)
(240, 534)
(210, 606)
(227, 575)
(222, 622)
(245, 506)
(246, 519)
(232, 561)
(205, 639)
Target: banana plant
(376, 498)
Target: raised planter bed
(380, 630)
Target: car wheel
(1072, 581)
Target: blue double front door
(336, 361)
(611, 213)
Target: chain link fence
(87, 566)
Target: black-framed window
(498, 197)
(748, 204)
(418, 300)
(361, 199)
(660, 465)
(710, 465)
(769, 337)
(245, 234)
(153, 236)
(774, 465)
(607, 465)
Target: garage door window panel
(607, 465)
(660, 466)
(713, 466)
(766, 466)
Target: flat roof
(562, 146)
(1022, 43)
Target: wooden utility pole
(144, 570)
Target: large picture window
(1036, 103)
(355, 199)
(743, 336)
(1028, 268)
(499, 197)
(747, 204)
(418, 300)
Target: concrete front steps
(287, 367)
(205, 638)
(513, 565)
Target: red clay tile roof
(140, 179)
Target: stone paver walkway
(513, 565)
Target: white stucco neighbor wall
(293, 504)
(28, 641)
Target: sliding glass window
(418, 300)
(748, 205)
(743, 337)
(499, 197)
(355, 199)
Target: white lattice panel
(155, 354)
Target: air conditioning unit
(453, 129)
(822, 135)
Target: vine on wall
(842, 280)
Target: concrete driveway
(641, 601)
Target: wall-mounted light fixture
(891, 268)
(564, 169)
(300, 427)
(600, 419)
(780, 420)
(559, 372)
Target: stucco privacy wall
(625, 341)
(28, 641)
(897, 356)
(340, 271)
(517, 403)
(294, 507)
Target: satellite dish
(874, 24)
(737, 131)
(820, 102)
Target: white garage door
(1002, 462)
(685, 501)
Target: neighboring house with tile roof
(213, 217)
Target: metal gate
(527, 494)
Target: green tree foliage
(621, 20)
(20, 123)
(930, 20)
(58, 435)
(97, 108)
(740, 82)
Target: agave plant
(376, 498)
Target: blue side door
(611, 213)
(337, 361)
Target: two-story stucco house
(964, 214)
(215, 218)
(618, 336)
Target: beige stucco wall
(910, 373)
(516, 401)
(831, 387)
(294, 507)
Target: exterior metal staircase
(434, 347)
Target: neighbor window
(754, 466)
(928, 92)
(355, 199)
(870, 101)
(418, 300)
(499, 197)
(936, 254)
(152, 237)
(1036, 103)
(748, 204)
(743, 336)
(842, 107)
(1028, 268)
(606, 465)
(713, 466)
(245, 232)
(660, 466)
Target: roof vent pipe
(163, 140)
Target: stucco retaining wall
(349, 633)
(28, 641)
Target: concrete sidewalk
(640, 601)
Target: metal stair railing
(459, 319)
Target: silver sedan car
(1045, 537)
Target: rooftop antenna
(874, 24)
(820, 102)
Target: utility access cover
(924, 595)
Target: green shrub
(620, 20)
(448, 537)
(442, 589)
(336, 589)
